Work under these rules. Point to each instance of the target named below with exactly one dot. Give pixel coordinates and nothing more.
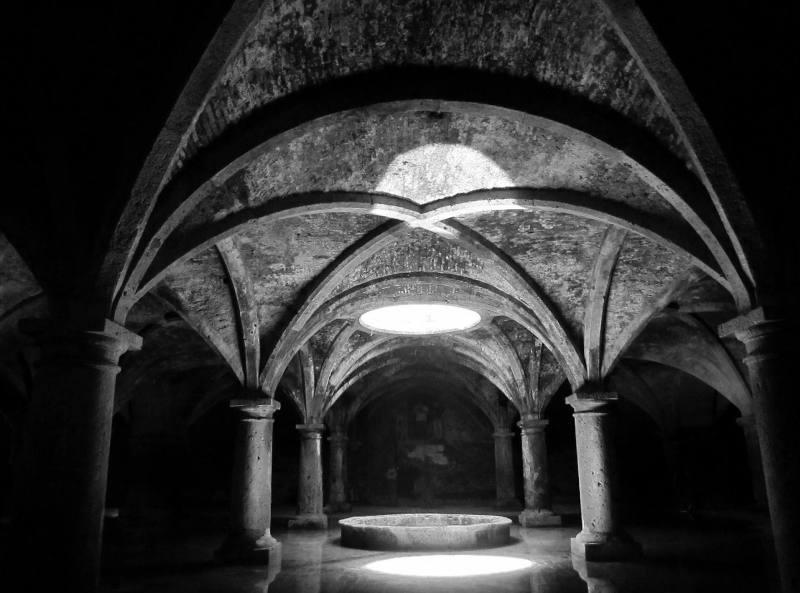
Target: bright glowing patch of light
(420, 319)
(435, 171)
(448, 565)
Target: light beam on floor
(448, 565)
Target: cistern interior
(338, 296)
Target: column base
(237, 549)
(309, 522)
(596, 547)
(539, 518)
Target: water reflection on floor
(709, 558)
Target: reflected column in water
(596, 576)
(302, 567)
(264, 581)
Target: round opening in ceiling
(420, 319)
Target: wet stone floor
(709, 554)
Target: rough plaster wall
(524, 342)
(643, 272)
(423, 251)
(556, 250)
(549, 368)
(322, 341)
(564, 43)
(201, 287)
(284, 256)
(432, 288)
(426, 155)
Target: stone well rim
(374, 520)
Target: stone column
(250, 540)
(58, 522)
(504, 470)
(309, 487)
(776, 410)
(601, 537)
(748, 424)
(537, 511)
(337, 480)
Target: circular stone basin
(425, 531)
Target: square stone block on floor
(309, 522)
(245, 552)
(614, 548)
(530, 518)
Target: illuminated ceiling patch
(436, 170)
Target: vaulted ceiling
(527, 160)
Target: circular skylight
(420, 319)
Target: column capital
(753, 324)
(262, 408)
(99, 346)
(741, 322)
(763, 337)
(530, 423)
(43, 328)
(503, 434)
(311, 430)
(588, 402)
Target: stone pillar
(309, 487)
(337, 480)
(776, 412)
(601, 538)
(537, 511)
(504, 470)
(748, 425)
(58, 523)
(250, 540)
